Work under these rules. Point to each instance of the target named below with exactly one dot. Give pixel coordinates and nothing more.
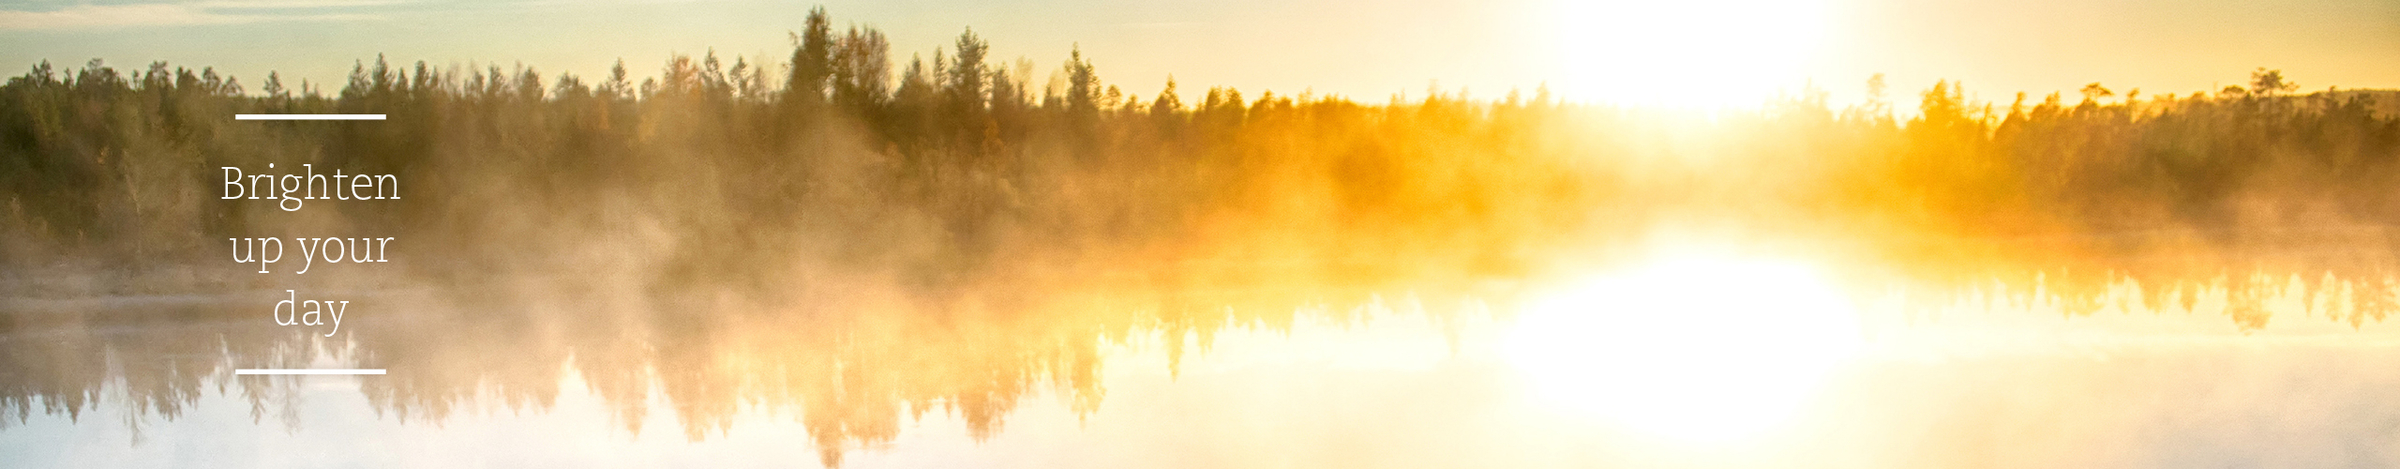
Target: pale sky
(1710, 51)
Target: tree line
(1026, 224)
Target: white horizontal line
(309, 371)
(307, 117)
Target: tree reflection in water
(855, 361)
(849, 361)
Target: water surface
(1670, 358)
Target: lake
(1686, 356)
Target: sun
(1698, 348)
(1685, 54)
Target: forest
(841, 159)
(776, 208)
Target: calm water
(1665, 360)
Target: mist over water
(888, 254)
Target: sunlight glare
(1703, 54)
(1699, 349)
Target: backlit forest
(939, 169)
(1024, 214)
